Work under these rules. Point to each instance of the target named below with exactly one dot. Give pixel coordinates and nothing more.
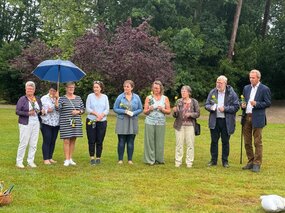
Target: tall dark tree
(265, 18)
(234, 31)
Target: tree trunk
(265, 18)
(234, 31)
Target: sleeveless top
(156, 117)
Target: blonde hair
(69, 84)
(130, 82)
(160, 85)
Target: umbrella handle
(58, 76)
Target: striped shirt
(70, 125)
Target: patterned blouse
(50, 118)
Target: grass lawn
(110, 187)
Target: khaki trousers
(256, 133)
(184, 135)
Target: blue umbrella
(58, 71)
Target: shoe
(92, 162)
(255, 168)
(211, 163)
(47, 162)
(98, 161)
(32, 165)
(189, 166)
(158, 162)
(66, 163)
(130, 162)
(177, 165)
(120, 162)
(52, 161)
(226, 165)
(20, 166)
(247, 166)
(71, 162)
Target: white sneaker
(189, 166)
(20, 165)
(71, 162)
(177, 165)
(32, 165)
(66, 163)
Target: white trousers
(184, 135)
(29, 134)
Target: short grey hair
(188, 88)
(30, 84)
(223, 78)
(257, 73)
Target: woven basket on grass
(6, 199)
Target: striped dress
(65, 106)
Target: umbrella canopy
(58, 71)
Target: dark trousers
(129, 140)
(49, 138)
(256, 133)
(96, 134)
(220, 131)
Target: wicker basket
(5, 199)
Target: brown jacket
(194, 113)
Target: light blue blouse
(100, 105)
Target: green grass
(110, 187)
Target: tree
(265, 18)
(64, 21)
(234, 31)
(129, 53)
(30, 57)
(19, 20)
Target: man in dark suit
(257, 97)
(222, 103)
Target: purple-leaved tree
(129, 53)
(30, 57)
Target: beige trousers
(184, 135)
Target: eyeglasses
(97, 82)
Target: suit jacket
(263, 100)
(231, 105)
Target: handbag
(197, 128)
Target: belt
(249, 114)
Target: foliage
(30, 57)
(64, 21)
(196, 31)
(130, 53)
(10, 80)
(19, 20)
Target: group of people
(52, 114)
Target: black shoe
(158, 162)
(226, 165)
(247, 166)
(255, 168)
(92, 162)
(211, 163)
(97, 161)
